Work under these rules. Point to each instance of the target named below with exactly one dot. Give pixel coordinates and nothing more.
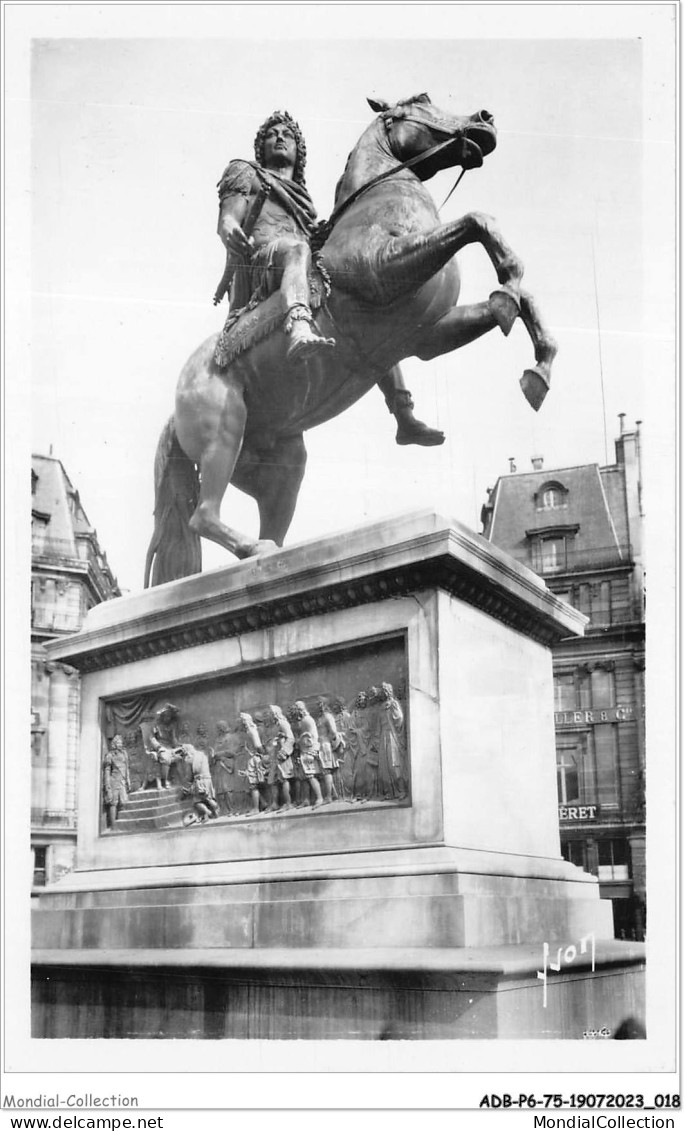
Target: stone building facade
(581, 529)
(69, 574)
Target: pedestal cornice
(392, 558)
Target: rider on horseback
(266, 219)
(269, 196)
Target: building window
(600, 605)
(37, 741)
(595, 688)
(55, 606)
(574, 771)
(39, 865)
(583, 598)
(39, 531)
(44, 602)
(74, 503)
(613, 860)
(575, 852)
(595, 601)
(552, 547)
(602, 688)
(607, 775)
(551, 496)
(584, 689)
(549, 555)
(567, 773)
(564, 691)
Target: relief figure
(343, 721)
(331, 748)
(392, 774)
(307, 762)
(255, 771)
(116, 779)
(222, 765)
(162, 745)
(279, 745)
(201, 787)
(365, 779)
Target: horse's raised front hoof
(505, 306)
(535, 386)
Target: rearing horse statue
(388, 285)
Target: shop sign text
(584, 718)
(577, 812)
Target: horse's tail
(175, 550)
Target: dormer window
(74, 503)
(549, 555)
(552, 548)
(551, 497)
(39, 530)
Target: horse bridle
(388, 118)
(408, 164)
(431, 124)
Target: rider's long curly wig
(279, 117)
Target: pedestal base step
(383, 994)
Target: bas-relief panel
(322, 733)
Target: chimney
(621, 418)
(537, 463)
(511, 464)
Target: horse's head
(414, 126)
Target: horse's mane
(423, 97)
(337, 186)
(349, 157)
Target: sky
(129, 134)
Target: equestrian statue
(321, 312)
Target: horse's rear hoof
(505, 307)
(255, 549)
(535, 386)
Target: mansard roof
(592, 508)
(56, 502)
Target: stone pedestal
(406, 906)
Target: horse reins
(408, 164)
(454, 186)
(433, 125)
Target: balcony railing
(575, 559)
